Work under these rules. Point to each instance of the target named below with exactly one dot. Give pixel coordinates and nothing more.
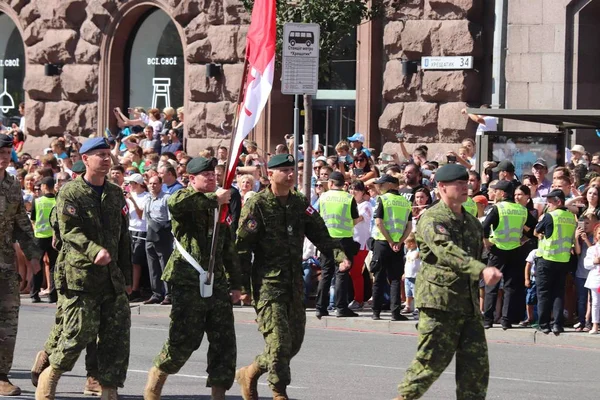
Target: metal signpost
(300, 72)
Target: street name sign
(459, 62)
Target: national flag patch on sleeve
(228, 220)
(310, 210)
(125, 210)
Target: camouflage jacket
(451, 248)
(274, 233)
(88, 223)
(192, 219)
(15, 225)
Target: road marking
(206, 377)
(452, 373)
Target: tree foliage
(337, 18)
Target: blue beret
(281, 160)
(94, 144)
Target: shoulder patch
(440, 229)
(310, 210)
(125, 210)
(70, 210)
(251, 225)
(228, 220)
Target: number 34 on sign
(460, 62)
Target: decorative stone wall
(72, 32)
(427, 104)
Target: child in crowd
(411, 268)
(592, 263)
(585, 237)
(531, 297)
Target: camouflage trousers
(91, 360)
(282, 325)
(9, 317)
(87, 317)
(441, 335)
(191, 317)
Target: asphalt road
(333, 364)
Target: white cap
(578, 148)
(137, 178)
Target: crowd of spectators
(149, 163)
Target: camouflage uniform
(192, 218)
(275, 234)
(95, 304)
(448, 301)
(15, 227)
(91, 361)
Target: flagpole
(213, 245)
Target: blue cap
(94, 144)
(357, 137)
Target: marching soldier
(96, 257)
(193, 217)
(272, 227)
(451, 242)
(15, 227)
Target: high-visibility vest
(558, 246)
(43, 206)
(396, 210)
(512, 218)
(470, 206)
(335, 209)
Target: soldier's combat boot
(39, 365)
(247, 378)
(46, 388)
(7, 388)
(92, 387)
(279, 393)
(217, 393)
(156, 381)
(109, 393)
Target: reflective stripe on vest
(395, 216)
(558, 246)
(470, 206)
(512, 218)
(43, 206)
(334, 207)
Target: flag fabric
(260, 54)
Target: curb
(364, 323)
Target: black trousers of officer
(387, 266)
(512, 265)
(329, 267)
(158, 254)
(550, 279)
(45, 244)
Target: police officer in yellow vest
(340, 213)
(556, 231)
(393, 223)
(40, 216)
(470, 207)
(502, 231)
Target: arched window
(155, 63)
(12, 71)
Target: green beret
(451, 173)
(281, 160)
(201, 164)
(78, 167)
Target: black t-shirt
(409, 193)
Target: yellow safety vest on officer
(470, 207)
(395, 216)
(507, 234)
(335, 208)
(43, 206)
(557, 247)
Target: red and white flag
(260, 53)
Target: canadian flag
(260, 55)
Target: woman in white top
(592, 262)
(362, 232)
(136, 197)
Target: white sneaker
(577, 325)
(593, 332)
(354, 305)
